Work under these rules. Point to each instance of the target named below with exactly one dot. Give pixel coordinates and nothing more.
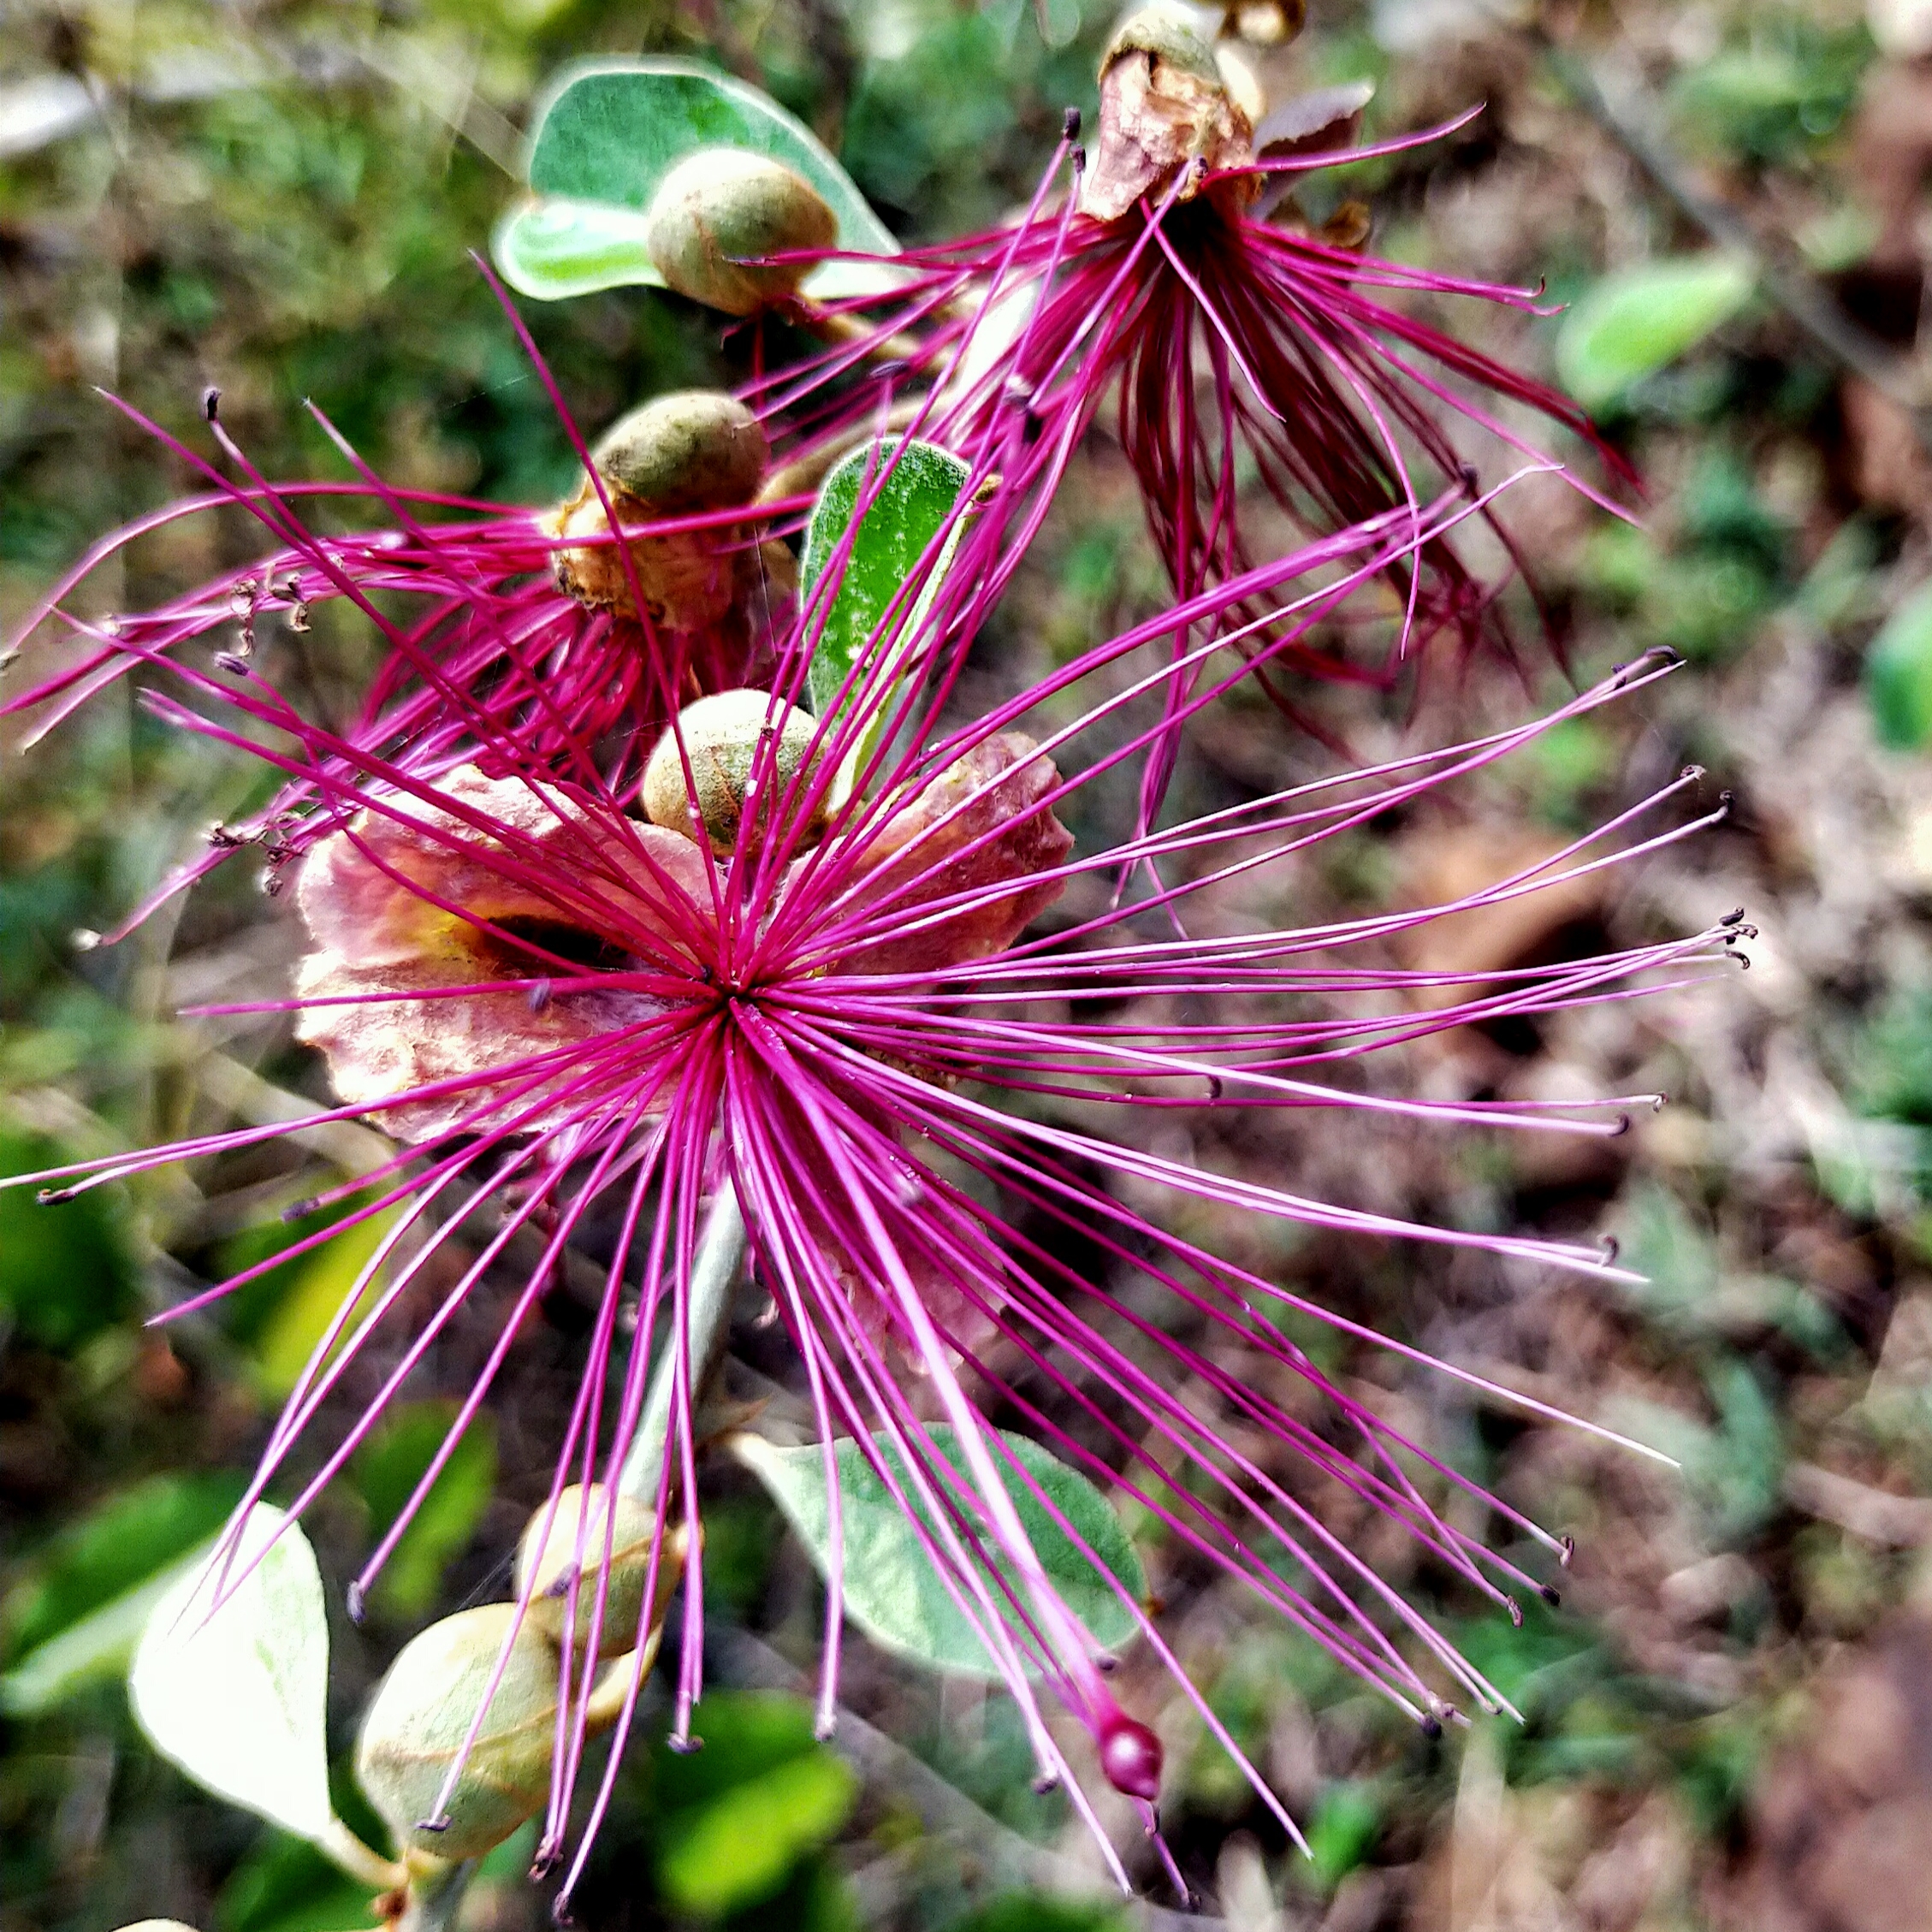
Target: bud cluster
(506, 1662)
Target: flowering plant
(680, 894)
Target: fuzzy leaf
(236, 1698)
(1631, 324)
(892, 1591)
(914, 499)
(1898, 675)
(560, 247)
(608, 135)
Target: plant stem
(715, 1271)
(356, 1859)
(436, 1897)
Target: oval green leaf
(913, 498)
(557, 248)
(1632, 324)
(1898, 675)
(609, 133)
(236, 1695)
(892, 1591)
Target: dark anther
(210, 403)
(1552, 1595)
(686, 1747)
(1472, 479)
(1725, 800)
(1431, 1729)
(1046, 1782)
(1690, 775)
(1106, 1665)
(1611, 1248)
(300, 1209)
(1080, 161)
(433, 1824)
(560, 1913)
(219, 836)
(52, 1197)
(1070, 125)
(1621, 1128)
(1568, 1549)
(232, 663)
(824, 1728)
(1214, 1088)
(1731, 918)
(1030, 426)
(1515, 1611)
(357, 1607)
(538, 997)
(544, 1863)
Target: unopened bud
(718, 212)
(695, 449)
(720, 737)
(616, 1561)
(421, 1713)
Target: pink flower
(840, 1030)
(1178, 278)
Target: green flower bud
(692, 450)
(722, 208)
(422, 1712)
(720, 737)
(695, 449)
(544, 1564)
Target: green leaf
(737, 1818)
(892, 1591)
(117, 1545)
(1898, 675)
(913, 501)
(1632, 324)
(608, 135)
(236, 1695)
(741, 1848)
(557, 248)
(92, 1651)
(323, 1281)
(65, 1272)
(285, 1885)
(385, 1472)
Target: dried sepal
(1167, 109)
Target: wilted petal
(397, 906)
(920, 856)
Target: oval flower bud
(718, 210)
(678, 455)
(545, 1561)
(721, 735)
(694, 449)
(422, 1712)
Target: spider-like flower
(798, 1008)
(532, 640)
(1242, 345)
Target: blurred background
(1729, 1718)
